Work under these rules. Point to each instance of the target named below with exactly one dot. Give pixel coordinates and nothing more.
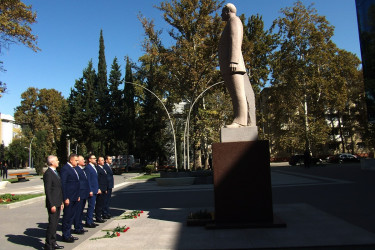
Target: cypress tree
(82, 107)
(129, 107)
(102, 95)
(151, 136)
(116, 124)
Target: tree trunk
(197, 156)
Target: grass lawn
(11, 180)
(148, 176)
(11, 198)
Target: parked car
(340, 158)
(300, 159)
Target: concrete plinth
(242, 183)
(239, 134)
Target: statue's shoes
(235, 125)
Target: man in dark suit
(92, 177)
(84, 191)
(54, 201)
(103, 186)
(107, 168)
(70, 186)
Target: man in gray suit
(54, 201)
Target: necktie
(103, 169)
(76, 173)
(84, 172)
(56, 173)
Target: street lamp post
(68, 145)
(30, 165)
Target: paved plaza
(324, 207)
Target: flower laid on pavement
(132, 215)
(112, 233)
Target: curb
(36, 199)
(22, 203)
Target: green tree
(300, 70)
(102, 95)
(42, 110)
(116, 125)
(15, 21)
(3, 88)
(347, 111)
(41, 151)
(190, 63)
(151, 126)
(129, 107)
(258, 45)
(15, 27)
(16, 154)
(41, 115)
(80, 122)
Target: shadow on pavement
(27, 241)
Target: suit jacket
(102, 179)
(230, 46)
(109, 175)
(70, 183)
(52, 188)
(84, 188)
(92, 178)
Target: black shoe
(69, 240)
(58, 246)
(90, 225)
(96, 224)
(74, 238)
(47, 247)
(106, 217)
(78, 232)
(100, 220)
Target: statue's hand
(233, 67)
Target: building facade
(8, 129)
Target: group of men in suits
(69, 191)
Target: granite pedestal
(242, 185)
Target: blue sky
(68, 34)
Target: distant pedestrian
(307, 159)
(54, 201)
(5, 171)
(1, 169)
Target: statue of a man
(233, 70)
